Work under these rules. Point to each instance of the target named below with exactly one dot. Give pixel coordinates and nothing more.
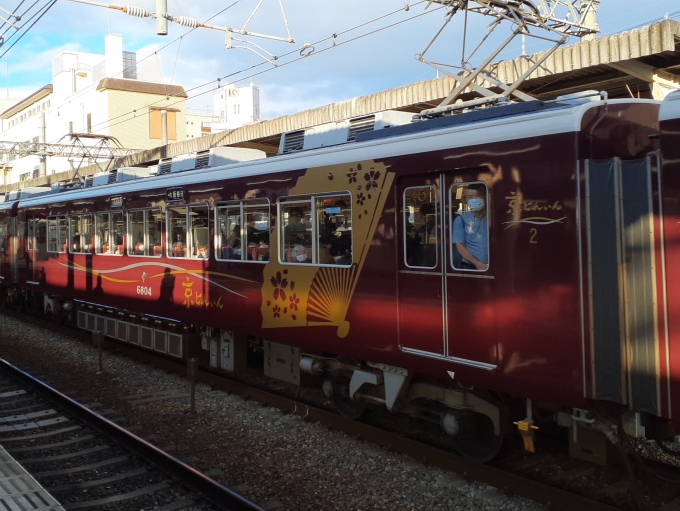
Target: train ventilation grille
(165, 167)
(293, 141)
(202, 159)
(113, 176)
(89, 181)
(361, 125)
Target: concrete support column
(42, 171)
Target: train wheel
(475, 438)
(336, 390)
(348, 408)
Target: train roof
(526, 120)
(670, 108)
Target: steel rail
(218, 495)
(555, 499)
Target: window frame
(80, 219)
(111, 232)
(291, 200)
(169, 244)
(130, 246)
(243, 207)
(57, 219)
(488, 226)
(437, 207)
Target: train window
(297, 232)
(109, 229)
(188, 228)
(420, 227)
(81, 234)
(238, 241)
(3, 235)
(469, 206)
(57, 234)
(145, 228)
(334, 230)
(317, 230)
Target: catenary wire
(155, 53)
(248, 70)
(49, 6)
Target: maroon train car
(347, 263)
(669, 117)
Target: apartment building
(119, 94)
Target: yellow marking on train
(203, 272)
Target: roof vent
(215, 157)
(112, 176)
(293, 141)
(202, 159)
(129, 173)
(360, 125)
(165, 166)
(89, 180)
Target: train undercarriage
(476, 422)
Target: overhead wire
(248, 71)
(156, 52)
(44, 11)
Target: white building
(235, 106)
(119, 94)
(199, 122)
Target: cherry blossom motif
(372, 179)
(280, 284)
(360, 199)
(294, 301)
(285, 310)
(293, 316)
(292, 286)
(352, 175)
(277, 311)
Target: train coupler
(528, 431)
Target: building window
(24, 177)
(130, 65)
(89, 123)
(155, 131)
(237, 109)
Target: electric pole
(162, 17)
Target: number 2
(533, 232)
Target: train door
(446, 303)
(31, 248)
(420, 287)
(16, 240)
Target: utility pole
(162, 17)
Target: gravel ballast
(279, 461)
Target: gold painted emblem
(299, 296)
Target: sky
(381, 57)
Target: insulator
(186, 22)
(140, 12)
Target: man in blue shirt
(471, 230)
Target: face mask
(301, 258)
(475, 204)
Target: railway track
(89, 462)
(527, 477)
